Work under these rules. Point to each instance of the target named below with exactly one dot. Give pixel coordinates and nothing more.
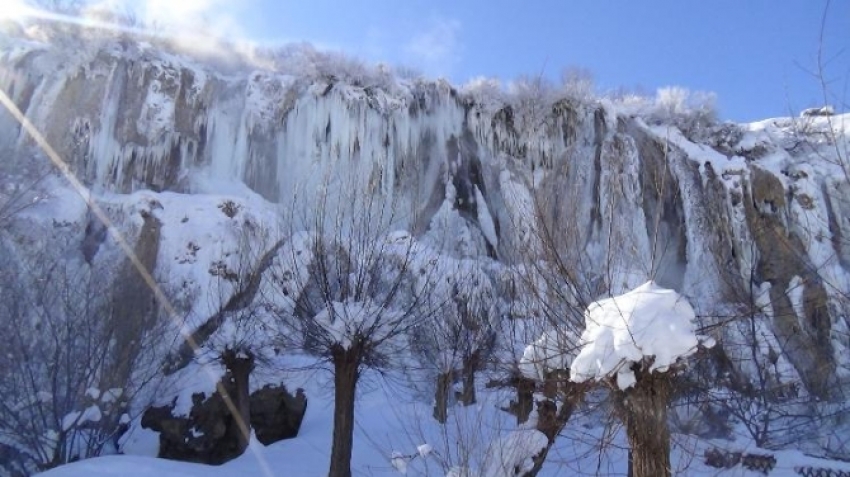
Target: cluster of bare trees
(354, 294)
(77, 350)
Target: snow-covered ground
(389, 424)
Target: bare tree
(577, 83)
(238, 333)
(348, 290)
(245, 334)
(572, 265)
(22, 181)
(73, 362)
(457, 343)
(15, 201)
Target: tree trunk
(441, 397)
(346, 373)
(551, 421)
(645, 408)
(239, 368)
(525, 398)
(470, 366)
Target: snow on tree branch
(555, 350)
(349, 320)
(648, 322)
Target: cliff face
(734, 217)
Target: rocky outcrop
(276, 414)
(209, 433)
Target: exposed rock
(782, 256)
(276, 414)
(209, 433)
(134, 309)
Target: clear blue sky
(750, 52)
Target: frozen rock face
(739, 219)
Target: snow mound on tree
(647, 322)
(554, 350)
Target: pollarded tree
(545, 366)
(464, 302)
(635, 343)
(244, 338)
(240, 335)
(347, 291)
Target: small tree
(546, 364)
(22, 184)
(463, 301)
(244, 333)
(244, 338)
(345, 292)
(577, 83)
(237, 331)
(636, 342)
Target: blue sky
(752, 53)
(757, 55)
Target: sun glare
(13, 10)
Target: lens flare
(14, 10)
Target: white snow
(795, 294)
(399, 462)
(512, 452)
(347, 321)
(80, 418)
(424, 450)
(647, 322)
(387, 420)
(138, 441)
(485, 219)
(555, 350)
(111, 395)
(520, 208)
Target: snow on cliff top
(839, 123)
(648, 321)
